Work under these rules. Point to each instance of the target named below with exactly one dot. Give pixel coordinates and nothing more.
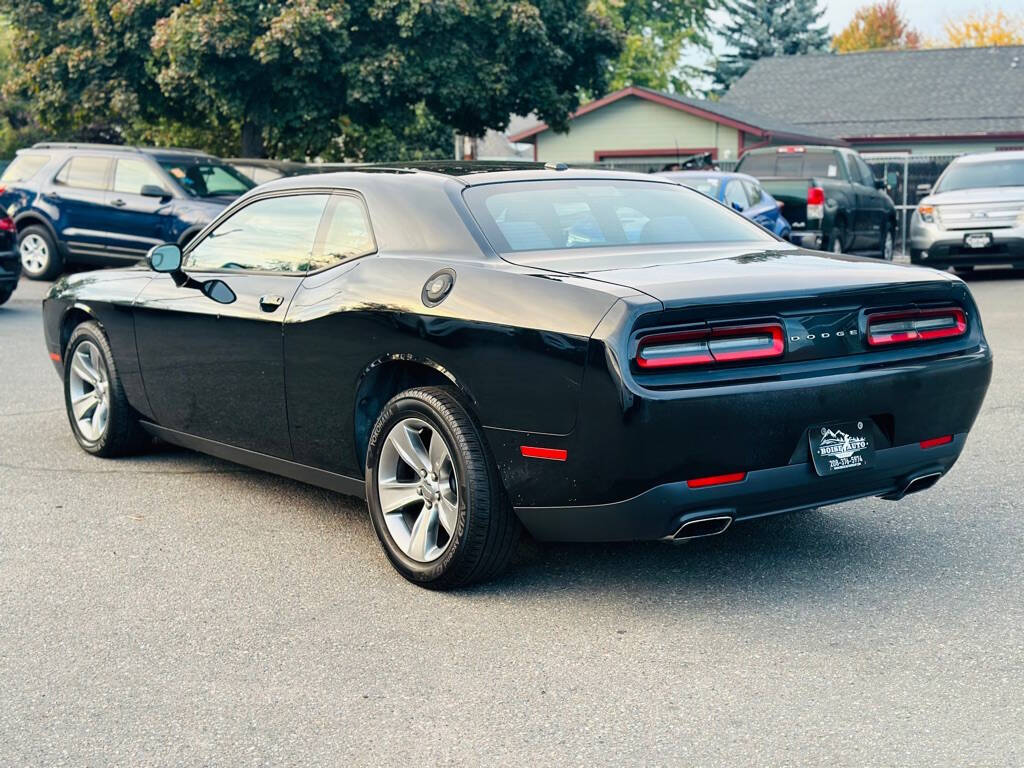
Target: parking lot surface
(174, 609)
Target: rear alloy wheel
(103, 422)
(888, 244)
(39, 257)
(435, 497)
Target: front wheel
(103, 422)
(837, 242)
(435, 497)
(887, 245)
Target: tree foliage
(984, 28)
(757, 29)
(291, 76)
(877, 26)
(655, 34)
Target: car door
(79, 192)
(861, 235)
(877, 205)
(215, 370)
(138, 220)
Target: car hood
(979, 195)
(701, 274)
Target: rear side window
(345, 233)
(791, 165)
(276, 234)
(556, 215)
(132, 174)
(85, 172)
(24, 166)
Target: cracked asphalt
(173, 609)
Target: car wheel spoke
(438, 452)
(83, 404)
(423, 535)
(83, 369)
(449, 515)
(396, 495)
(409, 445)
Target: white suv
(973, 215)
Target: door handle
(119, 203)
(269, 303)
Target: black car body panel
(543, 345)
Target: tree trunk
(252, 140)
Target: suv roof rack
(113, 147)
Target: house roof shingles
(927, 93)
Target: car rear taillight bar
(915, 325)
(728, 344)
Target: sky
(926, 16)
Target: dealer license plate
(842, 447)
(978, 239)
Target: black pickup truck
(829, 195)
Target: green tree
(757, 29)
(655, 34)
(289, 77)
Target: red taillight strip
(935, 442)
(914, 326)
(698, 347)
(704, 482)
(552, 454)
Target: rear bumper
(661, 511)
(10, 267)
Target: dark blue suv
(104, 204)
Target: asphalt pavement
(174, 609)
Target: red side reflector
(6, 223)
(552, 454)
(937, 441)
(55, 356)
(704, 482)
(915, 325)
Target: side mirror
(736, 206)
(165, 258)
(219, 291)
(153, 190)
(923, 190)
(879, 183)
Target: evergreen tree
(760, 28)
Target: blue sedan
(744, 193)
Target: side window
(754, 192)
(132, 174)
(735, 196)
(24, 167)
(346, 233)
(866, 172)
(85, 172)
(271, 235)
(853, 170)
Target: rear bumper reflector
(552, 454)
(704, 482)
(935, 442)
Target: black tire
(53, 263)
(123, 435)
(487, 529)
(838, 235)
(5, 294)
(888, 231)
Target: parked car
(10, 264)
(103, 204)
(973, 215)
(261, 170)
(594, 355)
(741, 192)
(829, 195)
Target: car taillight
(815, 203)
(915, 325)
(7, 224)
(727, 344)
(789, 150)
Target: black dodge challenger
(592, 355)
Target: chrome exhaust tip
(920, 483)
(702, 527)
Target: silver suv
(973, 215)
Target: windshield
(790, 164)
(206, 179)
(556, 215)
(709, 186)
(997, 173)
